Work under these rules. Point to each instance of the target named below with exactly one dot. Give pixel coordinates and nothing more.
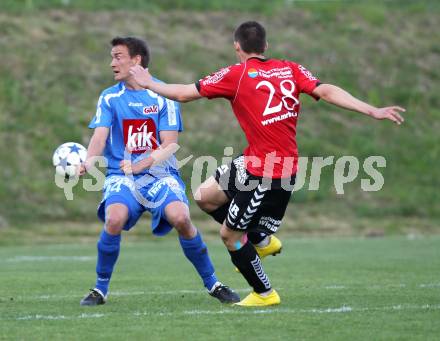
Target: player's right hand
(141, 76)
(82, 168)
(389, 113)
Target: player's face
(121, 62)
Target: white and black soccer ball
(68, 157)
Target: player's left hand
(389, 113)
(141, 76)
(130, 168)
(125, 166)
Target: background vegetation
(55, 62)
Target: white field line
(337, 287)
(343, 309)
(123, 293)
(233, 311)
(430, 285)
(201, 291)
(19, 259)
(59, 317)
(376, 286)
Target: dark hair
(135, 46)
(251, 36)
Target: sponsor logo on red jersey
(140, 135)
(307, 73)
(252, 73)
(281, 73)
(215, 77)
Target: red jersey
(264, 95)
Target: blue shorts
(153, 197)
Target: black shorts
(256, 203)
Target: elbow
(326, 92)
(182, 98)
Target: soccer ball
(68, 157)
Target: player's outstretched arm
(337, 96)
(176, 92)
(95, 148)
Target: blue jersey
(135, 119)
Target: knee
(204, 205)
(181, 221)
(114, 223)
(227, 238)
(199, 200)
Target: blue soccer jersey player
(129, 126)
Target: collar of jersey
(131, 90)
(260, 59)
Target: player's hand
(130, 168)
(141, 76)
(125, 166)
(82, 168)
(389, 113)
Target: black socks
(247, 261)
(256, 237)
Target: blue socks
(108, 252)
(197, 253)
(194, 249)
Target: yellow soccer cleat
(273, 248)
(256, 300)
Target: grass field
(349, 289)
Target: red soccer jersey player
(264, 95)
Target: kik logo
(140, 135)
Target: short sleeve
(223, 83)
(103, 116)
(305, 79)
(169, 116)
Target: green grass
(333, 289)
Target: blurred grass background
(55, 62)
